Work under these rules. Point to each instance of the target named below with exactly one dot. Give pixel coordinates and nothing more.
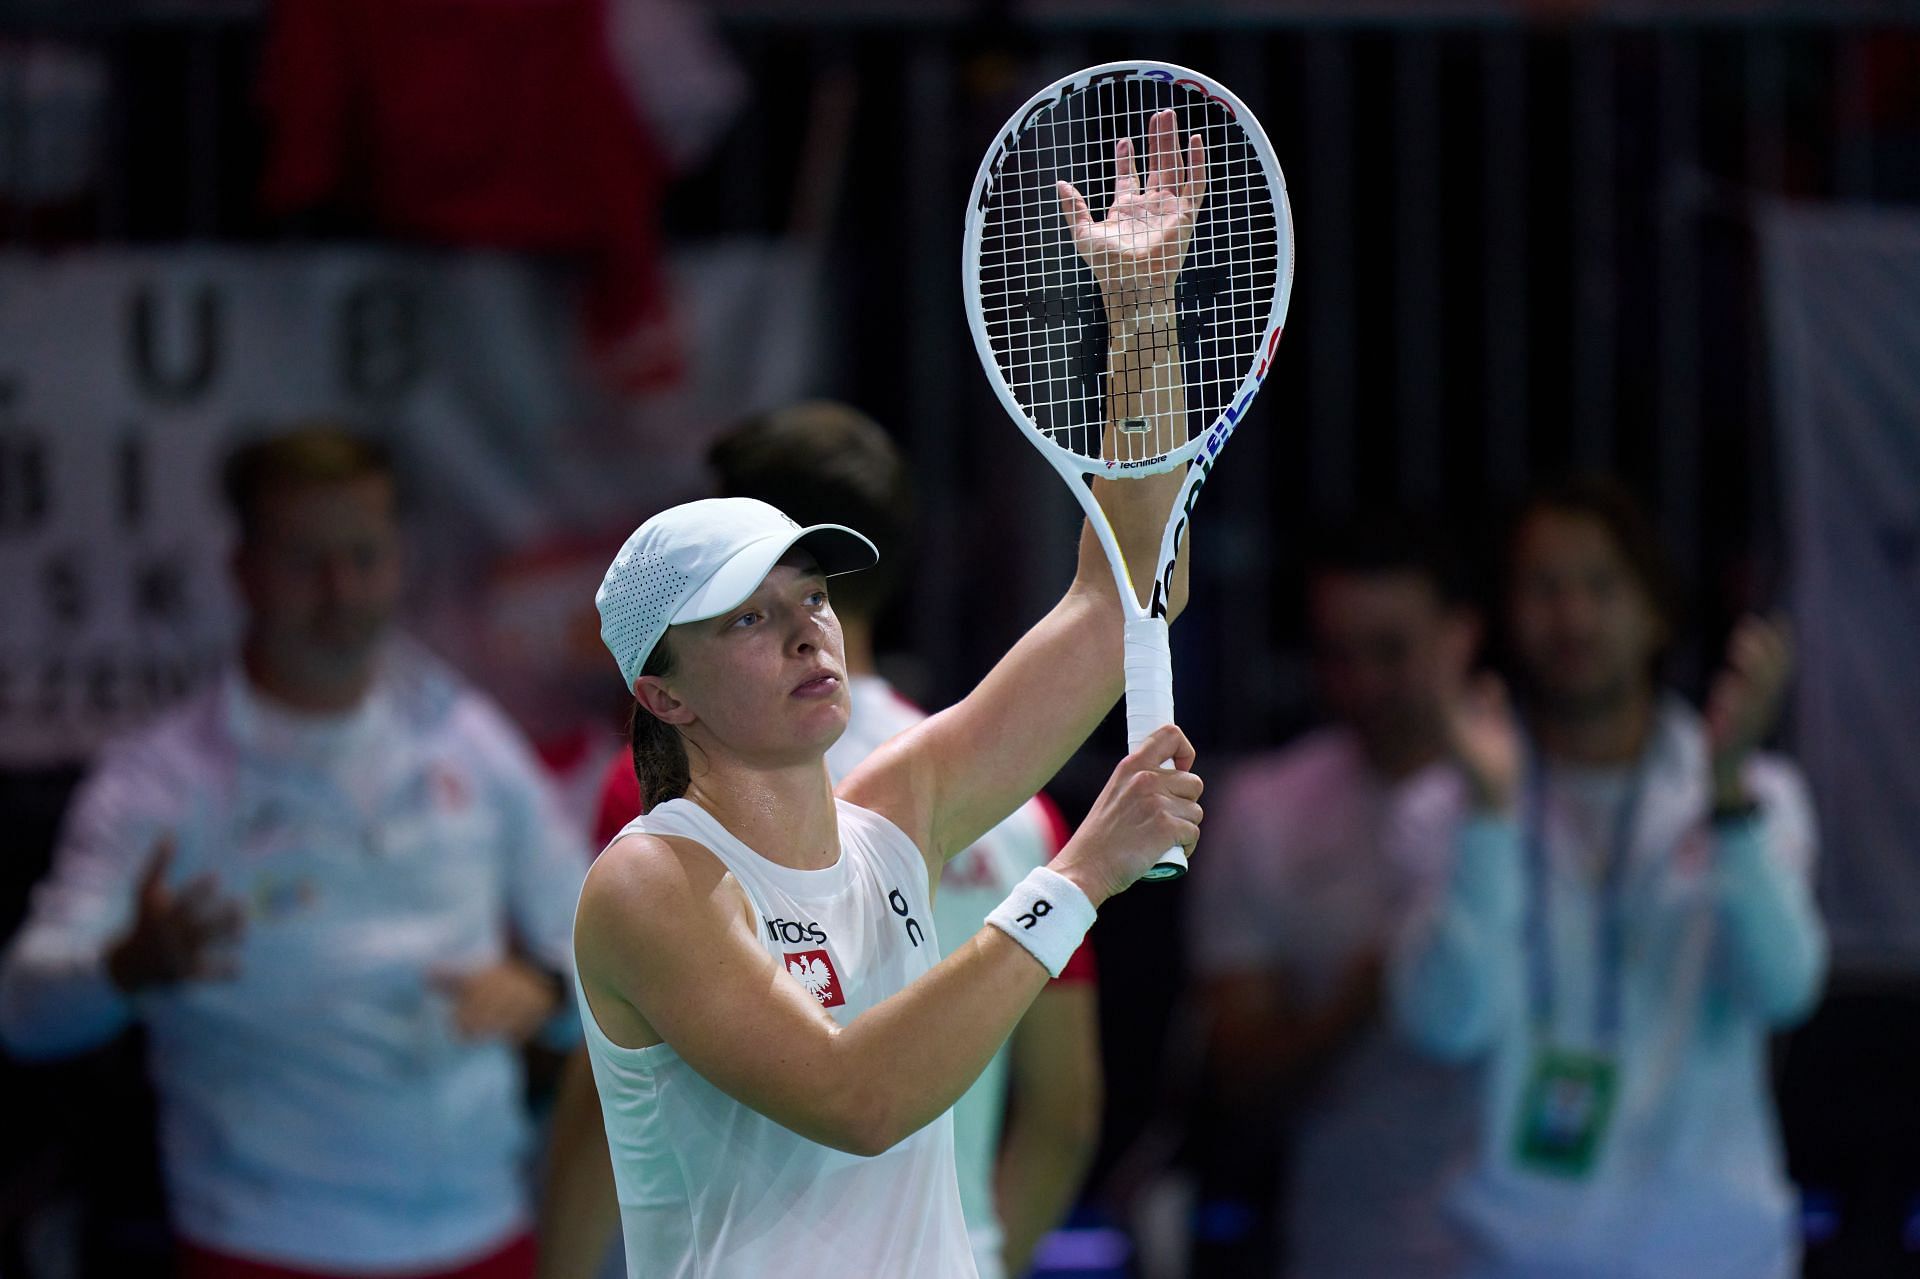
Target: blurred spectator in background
(1313, 869)
(1629, 916)
(334, 891)
(501, 125)
(1021, 1158)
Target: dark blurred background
(1531, 237)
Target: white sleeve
(1457, 973)
(55, 996)
(1776, 945)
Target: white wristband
(1048, 914)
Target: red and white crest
(814, 970)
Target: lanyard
(1611, 940)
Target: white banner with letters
(124, 378)
(1844, 292)
(125, 375)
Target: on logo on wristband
(1047, 915)
(1040, 909)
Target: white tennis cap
(699, 559)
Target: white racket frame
(1149, 660)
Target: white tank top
(707, 1185)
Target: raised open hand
(1745, 698)
(1484, 739)
(1135, 251)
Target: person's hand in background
(179, 933)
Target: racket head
(1033, 305)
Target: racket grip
(1149, 668)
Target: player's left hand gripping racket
(1128, 259)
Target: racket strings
(1047, 319)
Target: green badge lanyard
(1612, 946)
(1569, 1098)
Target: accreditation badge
(1564, 1112)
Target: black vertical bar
(1596, 309)
(1677, 312)
(934, 426)
(1329, 222)
(1853, 146)
(1504, 204)
(203, 131)
(1418, 329)
(1247, 533)
(1766, 92)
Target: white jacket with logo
(1722, 944)
(320, 1109)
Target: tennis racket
(1128, 260)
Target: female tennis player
(774, 1044)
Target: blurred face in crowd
(1585, 627)
(764, 681)
(1389, 650)
(321, 579)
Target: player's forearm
(1137, 510)
(668, 934)
(1146, 386)
(977, 761)
(1146, 417)
(990, 753)
(579, 1211)
(903, 1063)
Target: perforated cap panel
(636, 600)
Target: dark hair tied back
(659, 752)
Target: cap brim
(837, 548)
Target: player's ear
(658, 700)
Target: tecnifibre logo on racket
(1216, 436)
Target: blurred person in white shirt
(1320, 857)
(333, 889)
(1629, 916)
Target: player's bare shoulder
(652, 910)
(646, 891)
(897, 781)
